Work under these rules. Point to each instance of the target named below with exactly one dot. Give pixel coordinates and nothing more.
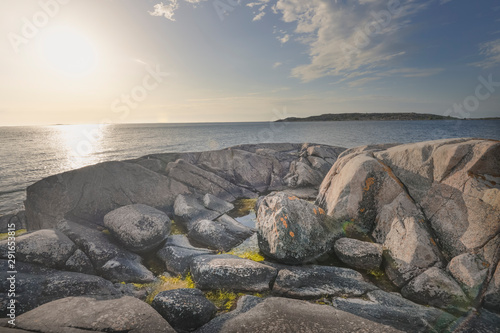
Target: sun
(69, 52)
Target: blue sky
(258, 61)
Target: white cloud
(277, 64)
(259, 16)
(491, 52)
(285, 38)
(346, 38)
(167, 10)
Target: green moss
(252, 255)
(165, 283)
(223, 300)
(17, 233)
(376, 273)
(176, 230)
(243, 207)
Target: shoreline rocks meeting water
(379, 238)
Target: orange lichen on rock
(321, 211)
(293, 198)
(315, 212)
(432, 241)
(292, 234)
(362, 210)
(369, 182)
(284, 222)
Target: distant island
(369, 116)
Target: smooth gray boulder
(310, 282)
(189, 209)
(470, 272)
(358, 254)
(184, 309)
(80, 263)
(294, 231)
(277, 314)
(393, 310)
(49, 248)
(37, 285)
(436, 288)
(230, 272)
(222, 235)
(177, 254)
(139, 228)
(87, 194)
(109, 260)
(79, 314)
(213, 203)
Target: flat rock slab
(393, 310)
(358, 254)
(231, 273)
(139, 228)
(311, 282)
(277, 314)
(184, 309)
(213, 203)
(188, 210)
(126, 314)
(177, 254)
(37, 285)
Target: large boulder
(82, 314)
(294, 231)
(425, 202)
(393, 310)
(276, 314)
(16, 221)
(177, 254)
(189, 209)
(310, 282)
(139, 228)
(49, 248)
(80, 263)
(230, 272)
(184, 309)
(436, 288)
(492, 295)
(359, 254)
(86, 195)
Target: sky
(146, 61)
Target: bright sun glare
(69, 52)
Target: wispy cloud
(491, 53)
(259, 16)
(277, 64)
(343, 38)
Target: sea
(28, 154)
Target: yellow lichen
(223, 300)
(16, 233)
(175, 229)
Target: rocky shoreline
(381, 238)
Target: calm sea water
(28, 154)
